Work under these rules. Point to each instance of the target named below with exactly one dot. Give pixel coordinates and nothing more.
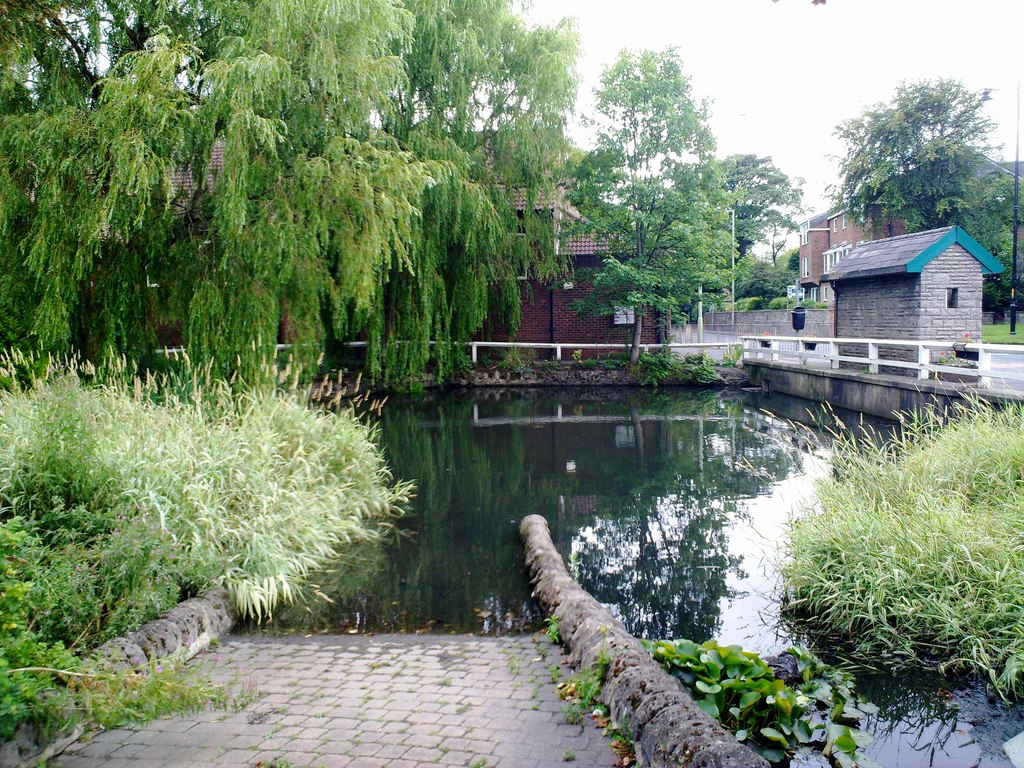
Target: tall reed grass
(251, 489)
(916, 545)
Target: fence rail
(475, 346)
(982, 364)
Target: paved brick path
(403, 701)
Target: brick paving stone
(356, 701)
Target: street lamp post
(1016, 223)
(732, 250)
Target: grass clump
(915, 547)
(130, 495)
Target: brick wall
(775, 322)
(547, 317)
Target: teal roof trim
(956, 236)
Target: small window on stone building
(952, 298)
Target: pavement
(360, 701)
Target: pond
(670, 506)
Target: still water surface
(670, 506)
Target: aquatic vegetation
(914, 547)
(741, 691)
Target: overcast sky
(781, 75)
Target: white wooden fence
(999, 365)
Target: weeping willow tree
(486, 97)
(234, 163)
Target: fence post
(924, 359)
(833, 353)
(872, 357)
(473, 345)
(774, 349)
(558, 352)
(984, 364)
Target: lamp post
(1016, 223)
(732, 250)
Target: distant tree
(791, 259)
(918, 157)
(651, 191)
(766, 201)
(764, 279)
(923, 158)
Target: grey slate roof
(889, 256)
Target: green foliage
(917, 158)
(650, 192)
(733, 355)
(913, 547)
(357, 178)
(780, 302)
(581, 692)
(519, 360)
(22, 694)
(655, 369)
(750, 303)
(766, 201)
(698, 369)
(552, 630)
(761, 278)
(153, 489)
(740, 690)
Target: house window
(624, 316)
(952, 298)
(844, 221)
(835, 224)
(806, 269)
(805, 229)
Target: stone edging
(188, 628)
(668, 728)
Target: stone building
(922, 286)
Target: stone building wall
(954, 268)
(912, 306)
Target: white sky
(781, 75)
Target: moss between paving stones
(188, 628)
(668, 727)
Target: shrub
(653, 369)
(750, 303)
(779, 303)
(698, 369)
(519, 360)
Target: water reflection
(671, 506)
(643, 490)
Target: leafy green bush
(654, 369)
(750, 303)
(22, 693)
(740, 690)
(698, 369)
(780, 302)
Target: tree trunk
(638, 331)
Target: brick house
(828, 237)
(925, 285)
(547, 316)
